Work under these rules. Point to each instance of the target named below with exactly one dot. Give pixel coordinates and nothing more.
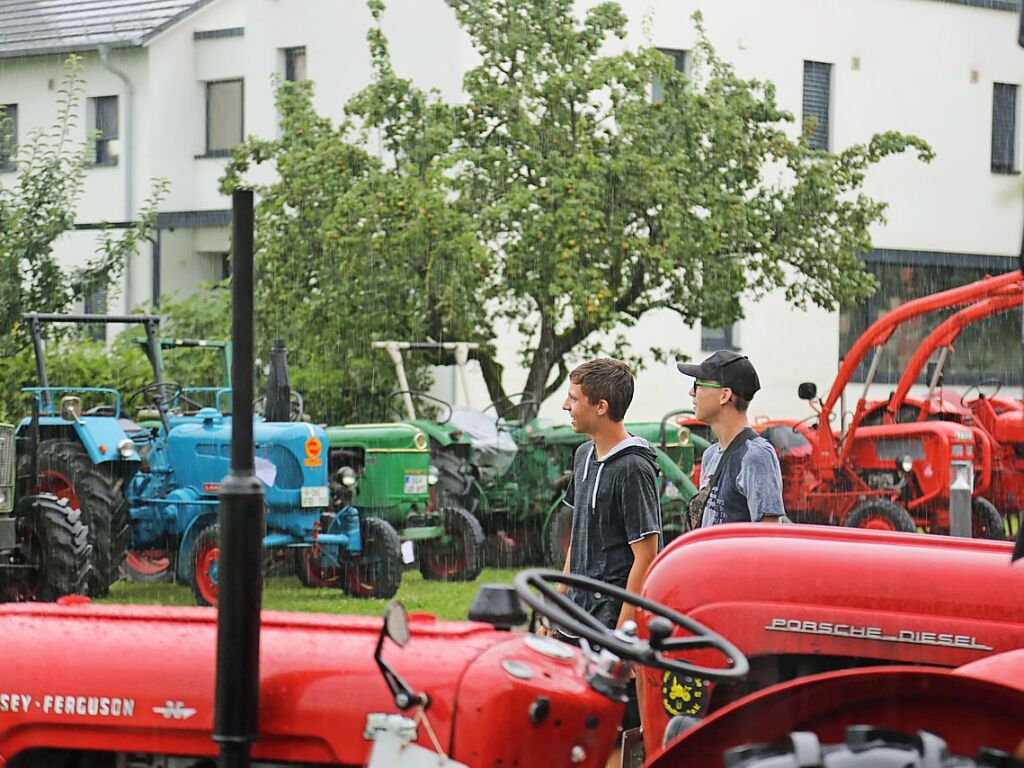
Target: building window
(103, 121)
(987, 349)
(1004, 128)
(295, 64)
(817, 98)
(223, 117)
(95, 302)
(681, 60)
(712, 339)
(8, 135)
(214, 266)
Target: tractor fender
(200, 522)
(99, 435)
(435, 432)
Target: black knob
(660, 630)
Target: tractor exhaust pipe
(279, 388)
(240, 578)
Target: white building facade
(172, 84)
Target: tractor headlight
(126, 448)
(433, 475)
(346, 476)
(420, 441)
(907, 463)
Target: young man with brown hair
(616, 520)
(740, 478)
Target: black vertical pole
(240, 577)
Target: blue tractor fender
(101, 436)
(188, 537)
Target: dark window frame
(681, 62)
(712, 339)
(101, 143)
(223, 151)
(817, 102)
(7, 161)
(290, 55)
(1005, 129)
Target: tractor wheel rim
(206, 572)
(57, 484)
(316, 573)
(150, 562)
(447, 560)
(877, 523)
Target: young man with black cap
(740, 478)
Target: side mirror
(396, 623)
(807, 391)
(71, 408)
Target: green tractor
(44, 548)
(385, 470)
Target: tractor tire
(54, 543)
(202, 565)
(459, 559)
(986, 522)
(559, 534)
(312, 573)
(865, 746)
(67, 472)
(377, 571)
(880, 515)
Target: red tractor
(997, 423)
(890, 476)
(802, 600)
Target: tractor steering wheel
(501, 413)
(159, 394)
(566, 614)
(423, 396)
(998, 384)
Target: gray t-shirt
(749, 488)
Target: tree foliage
(558, 199)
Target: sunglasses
(708, 384)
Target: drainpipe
(129, 93)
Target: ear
(724, 395)
(602, 407)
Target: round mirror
(396, 623)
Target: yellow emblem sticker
(683, 695)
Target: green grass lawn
(285, 593)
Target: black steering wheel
(566, 614)
(296, 406)
(998, 384)
(424, 396)
(160, 394)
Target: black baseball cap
(728, 368)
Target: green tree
(566, 201)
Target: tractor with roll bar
(996, 421)
(900, 476)
(156, 489)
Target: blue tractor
(174, 503)
(169, 476)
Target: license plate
(315, 496)
(415, 484)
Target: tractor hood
(379, 437)
(142, 679)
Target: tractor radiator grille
(6, 454)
